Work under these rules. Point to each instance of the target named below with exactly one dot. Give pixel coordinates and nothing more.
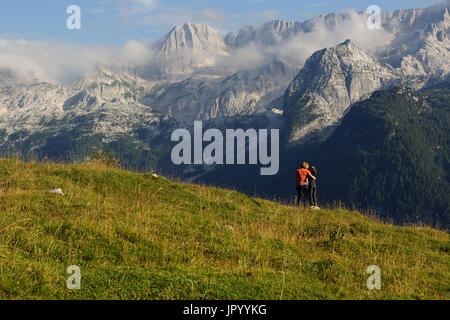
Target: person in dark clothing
(302, 176)
(313, 189)
(302, 194)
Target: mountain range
(301, 77)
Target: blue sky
(113, 22)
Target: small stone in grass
(57, 191)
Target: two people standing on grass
(305, 182)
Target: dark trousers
(302, 194)
(312, 194)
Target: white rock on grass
(57, 191)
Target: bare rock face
(197, 37)
(420, 42)
(267, 34)
(331, 80)
(243, 93)
(101, 104)
(185, 49)
(22, 107)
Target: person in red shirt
(302, 177)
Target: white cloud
(249, 57)
(130, 8)
(63, 63)
(300, 47)
(297, 48)
(145, 3)
(209, 15)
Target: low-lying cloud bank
(297, 48)
(63, 63)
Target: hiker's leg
(304, 195)
(310, 194)
(314, 196)
(299, 195)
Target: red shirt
(302, 176)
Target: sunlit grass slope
(135, 236)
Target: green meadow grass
(135, 236)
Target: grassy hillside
(391, 154)
(135, 236)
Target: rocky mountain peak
(331, 80)
(267, 33)
(196, 37)
(420, 42)
(185, 49)
(281, 25)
